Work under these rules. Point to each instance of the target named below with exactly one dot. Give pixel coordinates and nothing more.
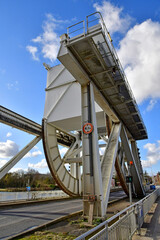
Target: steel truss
(83, 154)
(87, 99)
(91, 59)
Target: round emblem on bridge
(87, 128)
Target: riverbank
(32, 189)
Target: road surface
(19, 219)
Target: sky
(30, 35)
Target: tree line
(20, 180)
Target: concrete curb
(44, 226)
(116, 200)
(27, 202)
(50, 223)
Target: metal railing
(73, 31)
(125, 223)
(32, 195)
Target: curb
(45, 225)
(27, 202)
(116, 200)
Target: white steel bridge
(88, 105)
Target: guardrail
(125, 223)
(32, 195)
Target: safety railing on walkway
(92, 21)
(123, 225)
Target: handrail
(68, 33)
(116, 60)
(105, 223)
(113, 52)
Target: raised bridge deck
(90, 56)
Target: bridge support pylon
(92, 179)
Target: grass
(49, 236)
(79, 223)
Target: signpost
(87, 128)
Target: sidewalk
(151, 226)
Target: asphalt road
(18, 219)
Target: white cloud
(8, 134)
(8, 149)
(153, 154)
(13, 86)
(36, 153)
(35, 147)
(151, 104)
(2, 162)
(33, 50)
(37, 39)
(139, 53)
(49, 40)
(113, 17)
(101, 151)
(15, 169)
(33, 154)
(62, 151)
(41, 164)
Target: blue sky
(29, 36)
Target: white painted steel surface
(89, 59)
(18, 121)
(11, 163)
(90, 56)
(108, 161)
(137, 180)
(137, 159)
(62, 176)
(63, 101)
(92, 178)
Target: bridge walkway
(151, 226)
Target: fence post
(136, 211)
(106, 226)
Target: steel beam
(18, 121)
(121, 175)
(73, 160)
(139, 189)
(5, 169)
(92, 180)
(108, 161)
(137, 159)
(118, 168)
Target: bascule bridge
(89, 105)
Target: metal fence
(123, 225)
